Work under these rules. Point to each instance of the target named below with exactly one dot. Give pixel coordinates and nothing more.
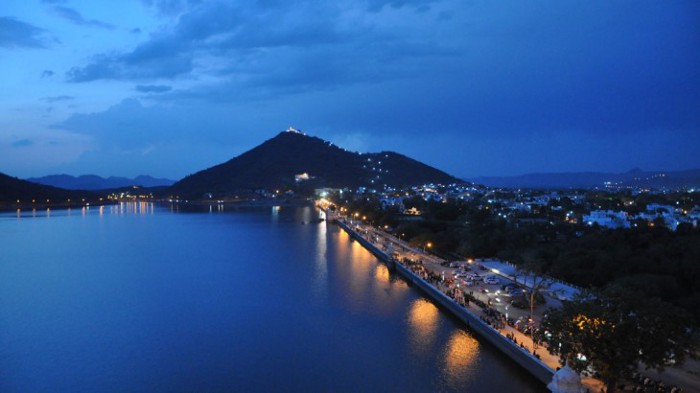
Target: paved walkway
(685, 377)
(434, 264)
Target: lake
(144, 298)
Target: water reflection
(136, 208)
(459, 358)
(123, 208)
(321, 262)
(359, 271)
(423, 320)
(370, 288)
(381, 273)
(219, 314)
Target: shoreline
(290, 202)
(522, 357)
(56, 206)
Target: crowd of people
(494, 318)
(644, 384)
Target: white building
(607, 219)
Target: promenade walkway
(434, 264)
(685, 377)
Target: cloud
(418, 5)
(75, 17)
(131, 67)
(246, 42)
(153, 88)
(170, 7)
(476, 77)
(22, 143)
(18, 34)
(135, 30)
(57, 98)
(47, 73)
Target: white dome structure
(565, 380)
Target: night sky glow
(169, 87)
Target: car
(490, 280)
(511, 289)
(464, 282)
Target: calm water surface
(141, 298)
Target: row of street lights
(356, 215)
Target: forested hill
(276, 162)
(13, 189)
(93, 182)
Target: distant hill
(13, 189)
(94, 182)
(275, 163)
(633, 178)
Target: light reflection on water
(335, 319)
(423, 320)
(120, 209)
(460, 354)
(381, 274)
(321, 262)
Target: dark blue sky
(169, 87)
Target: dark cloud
(57, 99)
(47, 73)
(153, 88)
(249, 41)
(18, 34)
(75, 17)
(132, 66)
(491, 86)
(22, 143)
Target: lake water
(142, 298)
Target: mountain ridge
(18, 191)
(587, 179)
(275, 163)
(96, 183)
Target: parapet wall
(521, 356)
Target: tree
(533, 271)
(617, 331)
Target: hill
(633, 178)
(94, 182)
(13, 189)
(276, 163)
